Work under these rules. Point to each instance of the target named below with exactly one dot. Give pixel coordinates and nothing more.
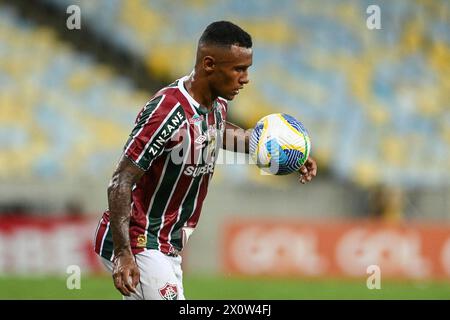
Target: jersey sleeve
(156, 124)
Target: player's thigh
(158, 279)
(179, 275)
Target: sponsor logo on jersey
(195, 171)
(160, 139)
(169, 292)
(201, 139)
(141, 241)
(196, 118)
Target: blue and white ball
(279, 144)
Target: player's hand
(308, 171)
(125, 273)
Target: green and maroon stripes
(153, 130)
(184, 207)
(185, 211)
(155, 146)
(142, 119)
(179, 209)
(163, 196)
(202, 191)
(170, 194)
(103, 238)
(203, 187)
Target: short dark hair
(225, 33)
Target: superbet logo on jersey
(195, 171)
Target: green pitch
(219, 287)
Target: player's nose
(244, 79)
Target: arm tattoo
(119, 201)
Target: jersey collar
(198, 108)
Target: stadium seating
(376, 102)
(61, 113)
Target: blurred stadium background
(376, 103)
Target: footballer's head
(224, 54)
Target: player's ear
(209, 64)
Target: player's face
(231, 71)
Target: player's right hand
(308, 171)
(125, 273)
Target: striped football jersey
(176, 141)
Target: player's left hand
(308, 170)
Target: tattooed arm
(125, 272)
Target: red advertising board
(273, 247)
(33, 245)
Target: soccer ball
(279, 144)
